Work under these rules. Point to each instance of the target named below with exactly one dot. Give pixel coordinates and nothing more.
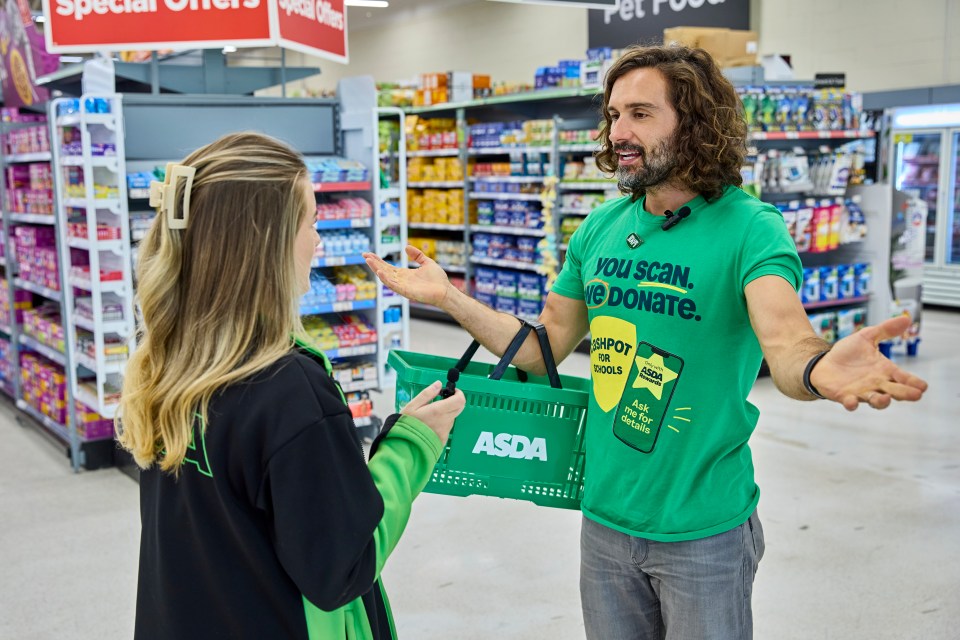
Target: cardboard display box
(729, 47)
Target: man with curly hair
(685, 284)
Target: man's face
(642, 128)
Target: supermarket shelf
(118, 326)
(43, 156)
(516, 231)
(337, 307)
(74, 119)
(392, 301)
(100, 245)
(436, 184)
(32, 218)
(836, 303)
(37, 288)
(576, 148)
(357, 223)
(449, 268)
(390, 194)
(526, 96)
(508, 179)
(506, 264)
(390, 221)
(497, 151)
(359, 385)
(349, 352)
(138, 194)
(91, 401)
(56, 428)
(110, 366)
(390, 247)
(573, 212)
(529, 197)
(608, 185)
(811, 135)
(326, 187)
(108, 286)
(337, 261)
(432, 153)
(109, 162)
(113, 204)
(47, 352)
(435, 226)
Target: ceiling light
(375, 4)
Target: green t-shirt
(673, 357)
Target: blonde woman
(260, 517)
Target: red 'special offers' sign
(316, 27)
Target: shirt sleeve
(569, 282)
(768, 249)
(324, 508)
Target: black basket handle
(525, 327)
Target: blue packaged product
(847, 279)
(528, 308)
(861, 272)
(486, 298)
(526, 244)
(829, 283)
(810, 292)
(506, 305)
(518, 217)
(530, 286)
(507, 284)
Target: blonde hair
(219, 299)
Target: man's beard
(656, 167)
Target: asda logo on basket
(505, 445)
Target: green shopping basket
(519, 436)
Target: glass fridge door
(917, 166)
(950, 230)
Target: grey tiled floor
(861, 513)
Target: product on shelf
(75, 187)
(114, 347)
(522, 214)
(527, 133)
(90, 424)
(510, 291)
(835, 282)
(566, 73)
(344, 208)
(90, 105)
(36, 251)
(579, 136)
(353, 331)
(355, 372)
(435, 206)
(341, 243)
(774, 108)
(568, 226)
(583, 170)
(451, 86)
(104, 231)
(45, 325)
(71, 144)
(447, 253)
(44, 386)
(823, 225)
(350, 284)
(585, 201)
(337, 170)
(29, 188)
(111, 267)
(427, 134)
(506, 247)
(434, 170)
(30, 140)
(23, 300)
(6, 365)
(112, 307)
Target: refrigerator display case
(925, 161)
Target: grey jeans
(637, 589)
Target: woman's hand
(438, 415)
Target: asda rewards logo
(650, 286)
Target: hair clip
(163, 194)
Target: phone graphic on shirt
(653, 378)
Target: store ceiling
(399, 10)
